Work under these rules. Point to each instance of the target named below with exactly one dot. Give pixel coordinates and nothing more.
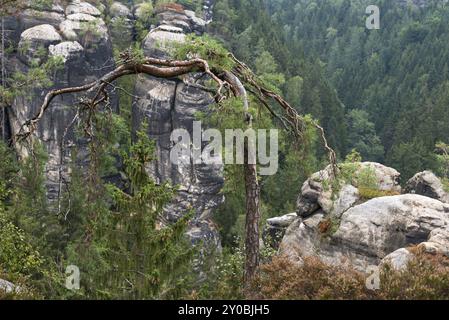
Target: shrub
(425, 278)
(314, 280)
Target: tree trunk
(252, 191)
(252, 222)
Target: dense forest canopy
(396, 75)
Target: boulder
(161, 40)
(368, 232)
(427, 184)
(118, 9)
(398, 259)
(91, 32)
(35, 38)
(68, 50)
(7, 287)
(82, 7)
(317, 192)
(184, 19)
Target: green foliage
(371, 193)
(393, 81)
(144, 20)
(206, 48)
(362, 136)
(225, 277)
(410, 158)
(39, 76)
(17, 255)
(443, 158)
(129, 254)
(256, 38)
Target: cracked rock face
(368, 232)
(78, 35)
(57, 31)
(172, 104)
(344, 229)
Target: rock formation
(172, 104)
(318, 193)
(344, 228)
(427, 184)
(77, 33)
(79, 36)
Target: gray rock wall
(172, 104)
(79, 35)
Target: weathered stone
(370, 231)
(7, 287)
(427, 184)
(31, 18)
(118, 9)
(82, 7)
(68, 50)
(91, 32)
(399, 259)
(82, 65)
(35, 38)
(161, 40)
(275, 228)
(317, 193)
(168, 105)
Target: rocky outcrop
(77, 7)
(339, 225)
(176, 16)
(368, 232)
(398, 259)
(34, 39)
(79, 36)
(318, 192)
(169, 104)
(427, 184)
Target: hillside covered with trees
(93, 207)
